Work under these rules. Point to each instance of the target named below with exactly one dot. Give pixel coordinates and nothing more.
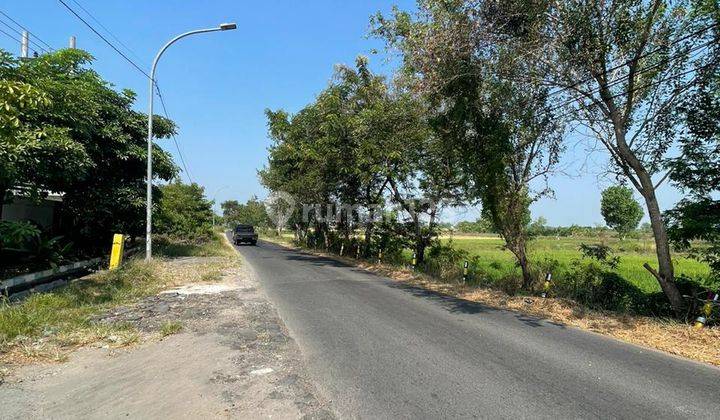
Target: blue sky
(216, 86)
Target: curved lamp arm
(148, 227)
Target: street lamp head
(227, 26)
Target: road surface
(379, 349)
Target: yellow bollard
(414, 260)
(342, 248)
(380, 256)
(465, 271)
(117, 251)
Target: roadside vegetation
(65, 130)
(488, 98)
(48, 325)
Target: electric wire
(162, 101)
(177, 145)
(34, 36)
(104, 39)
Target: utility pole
(24, 44)
(72, 42)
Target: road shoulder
(232, 357)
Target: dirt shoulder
(665, 335)
(206, 349)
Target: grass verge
(661, 334)
(46, 326)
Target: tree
(253, 212)
(620, 210)
(618, 69)
(36, 157)
(279, 209)
(183, 212)
(622, 68)
(360, 145)
(499, 127)
(697, 172)
(539, 227)
(83, 139)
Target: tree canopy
(620, 210)
(69, 131)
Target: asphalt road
(383, 350)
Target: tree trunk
(3, 193)
(521, 255)
(665, 274)
(420, 247)
(368, 238)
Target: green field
(497, 262)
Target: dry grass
(661, 334)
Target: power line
(28, 31)
(162, 101)
(104, 39)
(106, 29)
(9, 36)
(177, 145)
(30, 38)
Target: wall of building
(22, 209)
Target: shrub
(510, 283)
(541, 268)
(591, 283)
(184, 212)
(445, 262)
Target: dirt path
(232, 358)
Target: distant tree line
(252, 212)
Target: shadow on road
(449, 303)
(318, 261)
(457, 305)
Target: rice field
(497, 262)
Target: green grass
(64, 314)
(170, 328)
(67, 311)
(497, 262)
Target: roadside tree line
(489, 95)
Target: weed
(170, 328)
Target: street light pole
(215, 195)
(148, 221)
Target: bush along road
(378, 348)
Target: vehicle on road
(245, 234)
